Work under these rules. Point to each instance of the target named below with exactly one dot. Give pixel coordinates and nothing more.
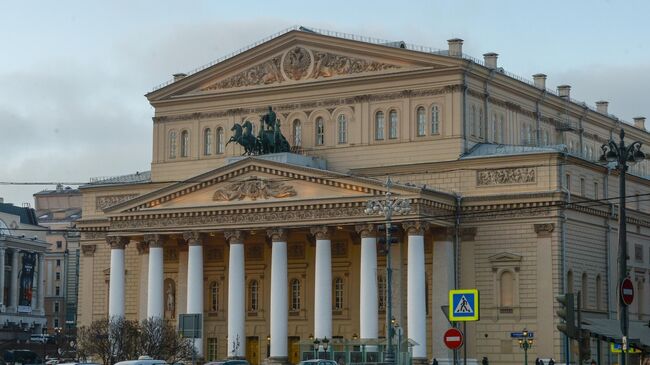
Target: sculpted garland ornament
(254, 188)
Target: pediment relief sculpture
(299, 63)
(254, 188)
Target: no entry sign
(627, 291)
(453, 338)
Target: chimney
(179, 76)
(540, 81)
(455, 47)
(601, 106)
(490, 60)
(639, 122)
(564, 91)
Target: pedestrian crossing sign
(463, 305)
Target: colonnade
(12, 306)
(369, 311)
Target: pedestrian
(434, 362)
(551, 362)
(485, 361)
(593, 362)
(537, 361)
(541, 362)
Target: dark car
(228, 362)
(318, 362)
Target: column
(117, 282)
(13, 296)
(41, 281)
(369, 308)
(323, 283)
(155, 277)
(195, 281)
(416, 300)
(442, 281)
(236, 295)
(2, 277)
(279, 296)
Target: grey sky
(73, 73)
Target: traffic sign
(453, 338)
(627, 291)
(521, 335)
(463, 305)
(616, 348)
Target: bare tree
(160, 340)
(111, 341)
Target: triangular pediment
(505, 257)
(301, 57)
(254, 182)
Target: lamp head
(611, 155)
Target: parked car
(318, 362)
(228, 362)
(40, 338)
(142, 360)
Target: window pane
(185, 144)
(214, 291)
(320, 131)
(420, 121)
(172, 144)
(295, 295)
(435, 120)
(343, 129)
(207, 141)
(393, 124)
(253, 295)
(381, 292)
(220, 145)
(379, 125)
(338, 294)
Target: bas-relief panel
(106, 201)
(507, 176)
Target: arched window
(320, 131)
(185, 144)
(343, 129)
(584, 287)
(295, 295)
(214, 295)
(392, 124)
(507, 285)
(435, 119)
(253, 296)
(172, 144)
(420, 120)
(569, 282)
(338, 294)
(297, 133)
(599, 292)
(207, 141)
(379, 125)
(381, 292)
(220, 141)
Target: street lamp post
(622, 155)
(525, 343)
(387, 207)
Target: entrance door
(253, 350)
(294, 349)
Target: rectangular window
(59, 244)
(58, 276)
(567, 182)
(212, 349)
(57, 291)
(582, 186)
(638, 253)
(58, 263)
(56, 307)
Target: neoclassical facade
(501, 174)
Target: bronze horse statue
(269, 139)
(243, 136)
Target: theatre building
(502, 177)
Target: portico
(309, 248)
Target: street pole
(622, 154)
(387, 207)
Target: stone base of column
(420, 361)
(280, 360)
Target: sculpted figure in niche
(170, 299)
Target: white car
(142, 360)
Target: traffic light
(585, 344)
(567, 314)
(381, 237)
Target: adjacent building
(22, 257)
(502, 176)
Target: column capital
(193, 238)
(277, 234)
(142, 246)
(416, 228)
(366, 230)
(544, 230)
(321, 232)
(117, 242)
(234, 236)
(153, 240)
(88, 249)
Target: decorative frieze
(88, 249)
(545, 229)
(254, 188)
(93, 235)
(507, 176)
(106, 201)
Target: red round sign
(453, 338)
(627, 291)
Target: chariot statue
(268, 140)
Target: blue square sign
(463, 305)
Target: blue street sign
(463, 305)
(521, 334)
